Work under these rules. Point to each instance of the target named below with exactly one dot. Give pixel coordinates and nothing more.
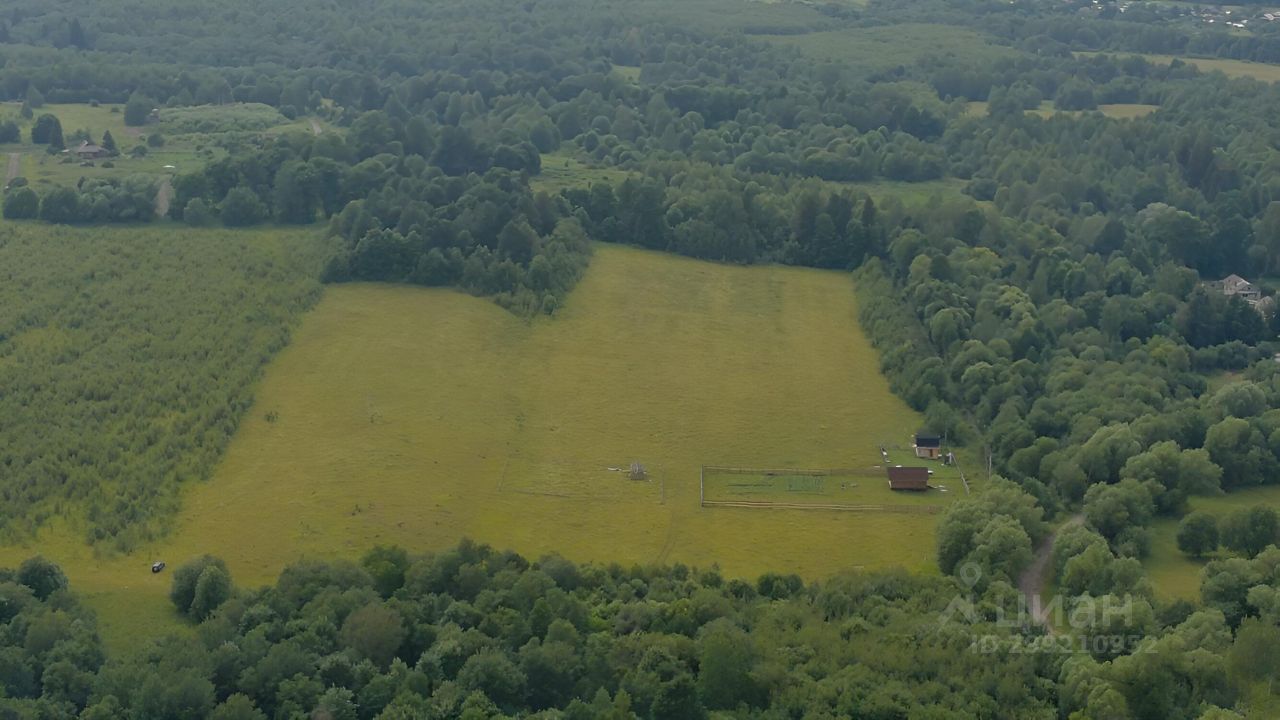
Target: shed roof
(928, 438)
(914, 477)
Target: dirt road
(163, 196)
(1034, 580)
(15, 167)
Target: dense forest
(1050, 310)
(477, 633)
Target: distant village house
(1235, 286)
(89, 151)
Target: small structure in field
(637, 471)
(89, 151)
(928, 445)
(908, 478)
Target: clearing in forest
(1174, 574)
(418, 416)
(179, 140)
(1231, 68)
(1120, 111)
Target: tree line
(473, 632)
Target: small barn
(88, 151)
(928, 445)
(908, 478)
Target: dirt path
(1034, 580)
(315, 126)
(163, 195)
(15, 167)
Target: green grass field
(630, 73)
(1220, 379)
(416, 416)
(877, 49)
(1046, 109)
(1175, 575)
(1230, 68)
(564, 169)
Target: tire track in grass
(163, 196)
(15, 167)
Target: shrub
(199, 213)
(200, 586)
(242, 208)
(137, 110)
(42, 576)
(1198, 534)
(21, 204)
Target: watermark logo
(1086, 625)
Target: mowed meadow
(418, 416)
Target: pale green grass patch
(1120, 111)
(563, 169)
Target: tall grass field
(417, 416)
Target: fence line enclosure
(851, 489)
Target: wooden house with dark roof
(908, 478)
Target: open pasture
(564, 169)
(1173, 574)
(1123, 111)
(1231, 68)
(417, 416)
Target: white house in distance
(1235, 286)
